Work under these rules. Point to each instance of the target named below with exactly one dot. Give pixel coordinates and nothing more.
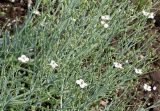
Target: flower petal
(102, 22)
(106, 25)
(83, 85)
(106, 17)
(117, 65)
(138, 71)
(23, 58)
(80, 81)
(154, 88)
(53, 64)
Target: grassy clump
(71, 34)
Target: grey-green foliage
(82, 49)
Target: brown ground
(14, 13)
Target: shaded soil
(12, 13)
(149, 98)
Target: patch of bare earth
(150, 99)
(12, 12)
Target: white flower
(106, 17)
(53, 64)
(36, 12)
(154, 88)
(73, 19)
(126, 61)
(138, 71)
(31, 49)
(81, 83)
(23, 58)
(117, 65)
(102, 22)
(151, 15)
(147, 14)
(147, 87)
(106, 25)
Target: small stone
(106, 25)
(103, 102)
